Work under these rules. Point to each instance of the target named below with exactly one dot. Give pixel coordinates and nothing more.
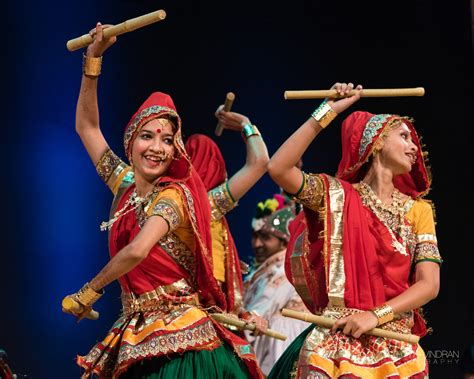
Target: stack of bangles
(250, 130)
(384, 313)
(86, 296)
(91, 66)
(324, 114)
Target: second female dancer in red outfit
(364, 249)
(224, 193)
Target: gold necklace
(392, 215)
(134, 201)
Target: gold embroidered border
(230, 256)
(420, 238)
(169, 210)
(178, 250)
(238, 298)
(162, 298)
(427, 251)
(107, 163)
(221, 202)
(312, 194)
(180, 340)
(337, 276)
(297, 259)
(109, 360)
(192, 216)
(408, 205)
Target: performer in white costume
(266, 289)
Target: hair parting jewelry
(164, 121)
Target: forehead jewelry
(163, 121)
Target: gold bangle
(87, 296)
(324, 114)
(91, 66)
(250, 130)
(384, 313)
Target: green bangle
(228, 191)
(303, 182)
(250, 130)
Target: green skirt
(286, 364)
(220, 363)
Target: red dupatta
(332, 257)
(207, 159)
(182, 176)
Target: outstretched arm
(257, 155)
(283, 164)
(126, 259)
(87, 110)
(131, 255)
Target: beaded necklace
(133, 202)
(392, 215)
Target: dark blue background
(53, 202)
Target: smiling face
(399, 151)
(153, 149)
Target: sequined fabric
(221, 202)
(333, 355)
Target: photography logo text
(443, 357)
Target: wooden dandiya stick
(124, 27)
(71, 305)
(242, 325)
(229, 100)
(332, 93)
(326, 322)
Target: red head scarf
(360, 132)
(160, 105)
(207, 160)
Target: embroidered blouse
(166, 202)
(418, 214)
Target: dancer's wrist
(250, 130)
(324, 114)
(384, 313)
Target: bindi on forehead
(158, 126)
